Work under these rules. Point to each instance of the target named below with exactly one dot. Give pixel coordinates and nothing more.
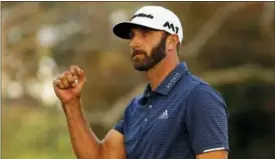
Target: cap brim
(123, 29)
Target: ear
(172, 42)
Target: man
(178, 117)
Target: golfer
(179, 116)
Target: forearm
(85, 143)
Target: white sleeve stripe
(214, 149)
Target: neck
(160, 71)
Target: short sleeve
(206, 120)
(119, 126)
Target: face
(147, 47)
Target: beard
(149, 60)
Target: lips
(137, 52)
(136, 55)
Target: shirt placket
(148, 107)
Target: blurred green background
(228, 44)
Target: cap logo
(171, 27)
(143, 15)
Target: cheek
(150, 50)
(150, 46)
(147, 48)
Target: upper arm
(207, 122)
(113, 143)
(213, 155)
(113, 146)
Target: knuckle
(65, 73)
(71, 69)
(72, 66)
(69, 73)
(59, 76)
(61, 79)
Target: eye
(145, 32)
(131, 34)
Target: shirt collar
(169, 82)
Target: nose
(135, 42)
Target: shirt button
(150, 106)
(145, 119)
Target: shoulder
(202, 96)
(204, 92)
(198, 88)
(206, 104)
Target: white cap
(154, 17)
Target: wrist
(72, 108)
(72, 103)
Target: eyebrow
(143, 28)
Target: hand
(68, 86)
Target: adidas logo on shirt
(164, 115)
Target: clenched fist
(68, 85)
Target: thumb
(81, 78)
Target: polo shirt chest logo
(164, 115)
(159, 119)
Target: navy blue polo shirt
(183, 117)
